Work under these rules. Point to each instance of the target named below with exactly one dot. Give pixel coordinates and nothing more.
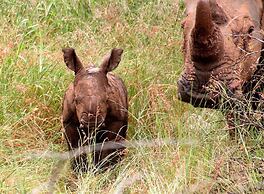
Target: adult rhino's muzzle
(89, 120)
(187, 92)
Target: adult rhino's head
(91, 87)
(222, 46)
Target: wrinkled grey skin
(95, 105)
(222, 47)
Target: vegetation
(33, 78)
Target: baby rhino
(95, 109)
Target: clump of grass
(33, 79)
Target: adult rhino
(222, 48)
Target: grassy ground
(33, 78)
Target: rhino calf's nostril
(81, 126)
(90, 115)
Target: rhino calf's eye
(77, 100)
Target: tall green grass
(33, 78)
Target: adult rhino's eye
(251, 29)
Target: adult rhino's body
(222, 50)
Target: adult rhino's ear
(71, 60)
(111, 60)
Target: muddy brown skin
(95, 106)
(222, 48)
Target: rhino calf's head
(90, 87)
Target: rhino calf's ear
(112, 60)
(71, 60)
